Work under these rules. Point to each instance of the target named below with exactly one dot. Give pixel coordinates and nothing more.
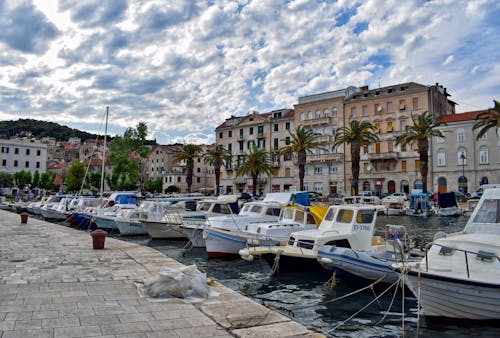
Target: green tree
(127, 154)
(6, 180)
(302, 141)
(75, 175)
(217, 157)
(256, 162)
(487, 120)
(47, 181)
(423, 129)
(188, 154)
(94, 181)
(22, 179)
(356, 134)
(36, 179)
(154, 185)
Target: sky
(183, 67)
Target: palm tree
(423, 129)
(487, 120)
(217, 157)
(188, 154)
(256, 162)
(303, 141)
(356, 134)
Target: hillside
(39, 129)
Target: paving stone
(28, 324)
(169, 324)
(118, 329)
(136, 317)
(275, 330)
(28, 334)
(99, 320)
(7, 325)
(60, 322)
(25, 315)
(201, 331)
(45, 314)
(78, 331)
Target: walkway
(53, 284)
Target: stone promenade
(53, 284)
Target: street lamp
(462, 157)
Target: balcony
(325, 138)
(260, 134)
(275, 164)
(314, 122)
(380, 156)
(240, 180)
(325, 157)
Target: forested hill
(39, 129)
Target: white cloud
(185, 66)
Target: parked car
(395, 197)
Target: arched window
(334, 112)
(325, 113)
(302, 116)
(483, 155)
(391, 186)
(460, 135)
(441, 157)
(405, 186)
(366, 186)
(318, 114)
(462, 156)
(442, 184)
(483, 180)
(418, 184)
(310, 115)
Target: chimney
(364, 88)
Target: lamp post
(462, 180)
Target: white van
(481, 189)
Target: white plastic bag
(187, 283)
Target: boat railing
(447, 251)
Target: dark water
(305, 298)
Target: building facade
(269, 131)
(23, 155)
(460, 161)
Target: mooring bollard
(24, 217)
(98, 238)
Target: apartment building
(23, 154)
(160, 159)
(386, 167)
(460, 161)
(270, 131)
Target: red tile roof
(468, 116)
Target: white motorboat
(223, 243)
(447, 205)
(419, 204)
(56, 209)
(459, 277)
(394, 208)
(105, 218)
(343, 225)
(374, 263)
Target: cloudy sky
(185, 66)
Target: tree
(423, 129)
(217, 157)
(6, 180)
(47, 181)
(127, 153)
(36, 179)
(256, 162)
(75, 175)
(188, 153)
(487, 120)
(303, 141)
(94, 181)
(356, 134)
(154, 185)
(22, 179)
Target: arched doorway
(418, 184)
(391, 187)
(462, 184)
(442, 184)
(405, 186)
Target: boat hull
(104, 222)
(221, 244)
(455, 298)
(195, 236)
(130, 228)
(162, 230)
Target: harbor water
(306, 298)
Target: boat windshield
(488, 212)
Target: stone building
(270, 131)
(23, 154)
(460, 161)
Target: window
(334, 169)
(483, 155)
(390, 146)
(484, 137)
(260, 131)
(318, 170)
(276, 143)
(287, 140)
(334, 130)
(417, 164)
(250, 131)
(377, 148)
(390, 108)
(27, 152)
(302, 116)
(318, 114)
(310, 115)
(198, 170)
(377, 108)
(353, 113)
(4, 163)
(365, 148)
(334, 112)
(377, 127)
(250, 144)
(15, 163)
(460, 134)
(229, 148)
(325, 113)
(389, 127)
(415, 103)
(402, 105)
(287, 157)
(241, 133)
(365, 110)
(241, 145)
(261, 143)
(178, 179)
(403, 165)
(230, 133)
(276, 127)
(402, 125)
(441, 157)
(220, 134)
(198, 180)
(318, 187)
(16, 151)
(287, 126)
(439, 139)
